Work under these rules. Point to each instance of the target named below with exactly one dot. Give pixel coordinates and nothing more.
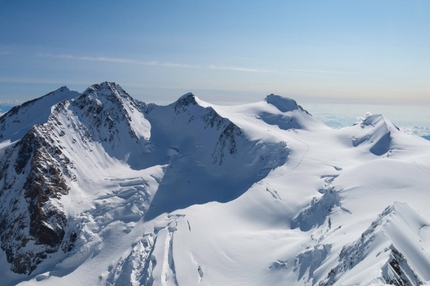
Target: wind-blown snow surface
(102, 189)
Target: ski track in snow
(303, 156)
(425, 170)
(169, 272)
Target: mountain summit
(98, 188)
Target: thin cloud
(4, 53)
(40, 81)
(149, 63)
(213, 67)
(118, 60)
(317, 71)
(10, 102)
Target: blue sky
(363, 52)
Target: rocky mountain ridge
(139, 193)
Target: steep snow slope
(397, 240)
(20, 119)
(112, 191)
(213, 159)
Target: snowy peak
(204, 145)
(373, 132)
(395, 245)
(20, 119)
(108, 90)
(184, 101)
(35, 173)
(109, 94)
(111, 117)
(284, 104)
(378, 121)
(286, 114)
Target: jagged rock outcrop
(391, 246)
(33, 174)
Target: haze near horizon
(333, 52)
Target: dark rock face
(402, 273)
(182, 104)
(31, 226)
(396, 270)
(105, 114)
(227, 143)
(34, 172)
(213, 119)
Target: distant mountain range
(98, 188)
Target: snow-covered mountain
(99, 188)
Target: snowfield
(101, 189)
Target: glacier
(99, 188)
